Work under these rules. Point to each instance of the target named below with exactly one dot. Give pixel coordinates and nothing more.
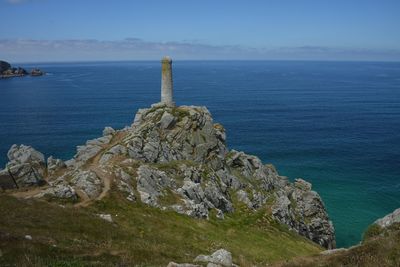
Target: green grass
(140, 235)
(380, 247)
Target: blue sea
(336, 124)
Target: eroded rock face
(303, 211)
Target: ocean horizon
(333, 123)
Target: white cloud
(15, 1)
(137, 49)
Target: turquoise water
(335, 124)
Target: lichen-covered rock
(162, 134)
(26, 165)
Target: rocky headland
(173, 160)
(7, 71)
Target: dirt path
(28, 192)
(107, 180)
(94, 166)
(101, 173)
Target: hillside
(172, 189)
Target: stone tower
(166, 82)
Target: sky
(85, 30)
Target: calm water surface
(335, 124)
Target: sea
(335, 124)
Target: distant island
(7, 71)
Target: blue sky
(58, 30)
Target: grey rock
(243, 197)
(174, 264)
(389, 219)
(60, 191)
(167, 120)
(333, 251)
(106, 217)
(24, 154)
(108, 131)
(109, 154)
(304, 185)
(151, 183)
(124, 184)
(220, 257)
(26, 165)
(220, 214)
(89, 150)
(217, 198)
(303, 211)
(54, 165)
(88, 182)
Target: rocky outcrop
(389, 219)
(37, 72)
(176, 158)
(303, 211)
(26, 165)
(7, 71)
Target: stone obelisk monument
(166, 82)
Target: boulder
(220, 258)
(61, 191)
(26, 165)
(87, 181)
(106, 217)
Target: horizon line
(204, 60)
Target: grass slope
(380, 247)
(139, 236)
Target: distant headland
(7, 71)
